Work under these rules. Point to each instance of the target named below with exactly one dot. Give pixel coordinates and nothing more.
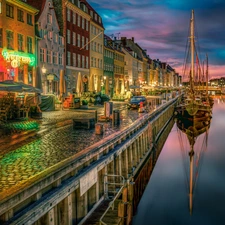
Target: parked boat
(195, 104)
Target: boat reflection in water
(193, 129)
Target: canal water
(166, 200)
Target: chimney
(132, 39)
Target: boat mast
(192, 50)
(207, 74)
(191, 155)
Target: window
(9, 11)
(49, 35)
(42, 55)
(78, 40)
(55, 37)
(29, 19)
(82, 45)
(83, 62)
(0, 7)
(61, 41)
(78, 20)
(29, 45)
(68, 14)
(83, 23)
(68, 59)
(86, 61)
(100, 64)
(60, 59)
(74, 18)
(49, 56)
(86, 25)
(68, 36)
(20, 15)
(91, 13)
(49, 18)
(95, 16)
(74, 59)
(86, 43)
(20, 42)
(78, 60)
(74, 38)
(1, 37)
(55, 58)
(92, 62)
(9, 36)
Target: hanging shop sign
(18, 58)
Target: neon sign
(16, 58)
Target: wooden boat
(195, 104)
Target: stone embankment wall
(68, 192)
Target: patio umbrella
(79, 87)
(61, 83)
(91, 83)
(10, 85)
(29, 88)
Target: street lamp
(43, 69)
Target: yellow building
(119, 70)
(96, 53)
(17, 41)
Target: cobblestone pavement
(53, 142)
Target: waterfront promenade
(29, 152)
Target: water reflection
(193, 128)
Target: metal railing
(112, 203)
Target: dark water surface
(166, 198)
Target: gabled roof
(38, 4)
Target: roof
(40, 4)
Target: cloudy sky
(162, 27)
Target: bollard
(99, 129)
(116, 117)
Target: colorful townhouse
(17, 42)
(50, 49)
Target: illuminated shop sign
(17, 58)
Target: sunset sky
(162, 26)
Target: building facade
(17, 42)
(49, 48)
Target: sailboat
(193, 130)
(193, 107)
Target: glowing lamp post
(43, 69)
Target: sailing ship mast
(207, 74)
(192, 38)
(191, 154)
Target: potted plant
(84, 104)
